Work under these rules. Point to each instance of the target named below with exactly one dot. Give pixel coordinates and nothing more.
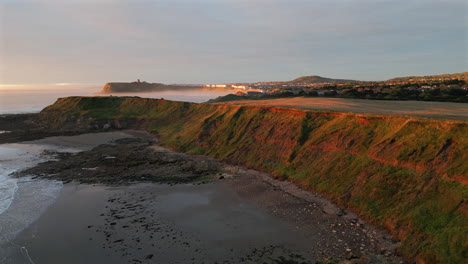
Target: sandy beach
(132, 201)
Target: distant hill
(460, 76)
(441, 77)
(138, 87)
(319, 79)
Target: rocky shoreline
(333, 235)
(126, 161)
(22, 127)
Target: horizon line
(96, 84)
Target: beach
(126, 199)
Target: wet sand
(151, 223)
(187, 223)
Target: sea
(31, 99)
(23, 200)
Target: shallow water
(14, 157)
(23, 200)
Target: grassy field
(458, 111)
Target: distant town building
(240, 87)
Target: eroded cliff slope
(406, 174)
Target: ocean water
(23, 200)
(34, 196)
(30, 99)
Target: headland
(404, 173)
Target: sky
(220, 41)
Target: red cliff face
(406, 174)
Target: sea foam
(8, 188)
(12, 159)
(22, 200)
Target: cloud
(215, 41)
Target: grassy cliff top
(445, 110)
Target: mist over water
(31, 99)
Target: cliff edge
(407, 174)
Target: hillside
(407, 174)
(318, 79)
(460, 76)
(443, 77)
(136, 87)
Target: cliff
(136, 87)
(406, 174)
